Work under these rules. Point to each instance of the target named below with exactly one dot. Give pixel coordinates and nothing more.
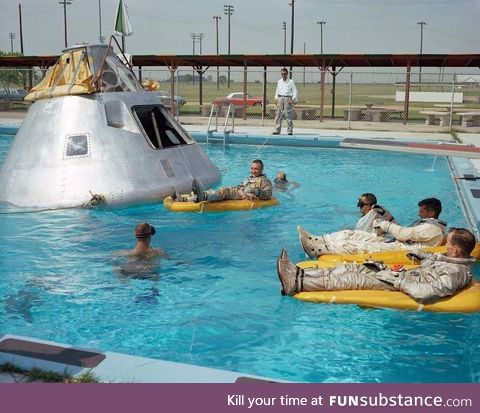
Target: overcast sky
(164, 26)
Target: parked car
(12, 94)
(236, 99)
(166, 99)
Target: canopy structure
(324, 62)
(300, 60)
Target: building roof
(296, 60)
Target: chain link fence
(349, 99)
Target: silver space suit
(438, 276)
(428, 232)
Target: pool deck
(28, 353)
(106, 367)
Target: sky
(164, 27)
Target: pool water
(217, 302)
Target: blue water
(217, 302)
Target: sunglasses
(361, 204)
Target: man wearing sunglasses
(371, 212)
(428, 231)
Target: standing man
(285, 99)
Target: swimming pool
(217, 303)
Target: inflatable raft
(388, 257)
(466, 300)
(217, 206)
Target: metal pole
(407, 95)
(228, 10)
(100, 37)
(217, 18)
(264, 106)
(65, 2)
(334, 75)
(12, 36)
(350, 100)
(304, 66)
(451, 104)
(284, 25)
(321, 35)
(292, 32)
(421, 50)
(200, 37)
(194, 38)
(21, 28)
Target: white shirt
(286, 88)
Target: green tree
(12, 76)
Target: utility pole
(65, 2)
(321, 35)
(284, 27)
(292, 30)
(217, 18)
(200, 36)
(228, 11)
(421, 50)
(100, 37)
(194, 39)
(12, 36)
(21, 28)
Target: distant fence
(371, 97)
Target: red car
(236, 99)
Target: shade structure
(123, 26)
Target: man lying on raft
(428, 231)
(256, 186)
(439, 275)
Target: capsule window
(161, 130)
(76, 145)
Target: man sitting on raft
(428, 231)
(256, 187)
(438, 276)
(371, 212)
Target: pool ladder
(230, 114)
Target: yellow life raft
(217, 206)
(466, 300)
(388, 257)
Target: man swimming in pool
(438, 276)
(142, 261)
(282, 184)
